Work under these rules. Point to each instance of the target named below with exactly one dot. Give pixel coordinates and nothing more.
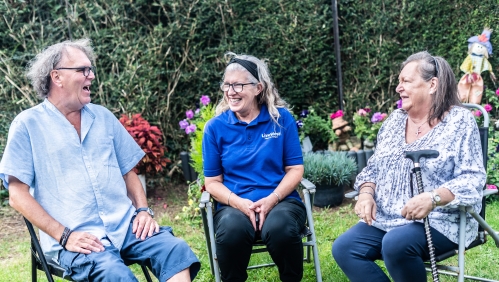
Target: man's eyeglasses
(84, 70)
(238, 87)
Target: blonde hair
(269, 95)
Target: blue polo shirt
(251, 157)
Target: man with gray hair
(77, 158)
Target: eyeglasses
(238, 87)
(84, 70)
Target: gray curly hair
(269, 95)
(38, 70)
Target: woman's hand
(366, 208)
(418, 207)
(263, 207)
(244, 206)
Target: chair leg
(33, 266)
(310, 220)
(462, 234)
(212, 242)
(146, 273)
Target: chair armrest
(307, 184)
(352, 195)
(488, 192)
(205, 199)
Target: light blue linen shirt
(79, 183)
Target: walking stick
(415, 156)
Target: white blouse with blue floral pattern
(459, 168)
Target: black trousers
(280, 233)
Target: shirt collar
(54, 109)
(263, 116)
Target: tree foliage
(156, 56)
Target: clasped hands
(262, 207)
(82, 242)
(416, 208)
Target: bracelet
(64, 237)
(372, 188)
(367, 193)
(228, 199)
(278, 198)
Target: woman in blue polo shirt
(252, 164)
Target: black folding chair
(50, 267)
(207, 204)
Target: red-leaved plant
(149, 139)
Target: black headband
(250, 66)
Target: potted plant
(316, 128)
(149, 139)
(330, 171)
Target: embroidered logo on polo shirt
(271, 135)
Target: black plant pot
(328, 196)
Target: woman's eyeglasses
(238, 87)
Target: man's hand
(144, 225)
(418, 207)
(85, 243)
(366, 208)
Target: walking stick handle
(416, 155)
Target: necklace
(418, 130)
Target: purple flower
(377, 117)
(487, 107)
(183, 124)
(205, 100)
(304, 114)
(197, 111)
(299, 123)
(191, 128)
(189, 114)
(399, 104)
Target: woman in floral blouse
(389, 207)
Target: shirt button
(249, 137)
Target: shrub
(330, 168)
(149, 139)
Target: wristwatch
(148, 210)
(435, 198)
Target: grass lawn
(329, 224)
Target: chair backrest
(484, 140)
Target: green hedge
(158, 57)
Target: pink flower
(367, 110)
(487, 107)
(477, 113)
(189, 114)
(491, 187)
(337, 114)
(362, 112)
(205, 100)
(497, 92)
(384, 115)
(183, 124)
(191, 128)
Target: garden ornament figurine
(470, 86)
(342, 130)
